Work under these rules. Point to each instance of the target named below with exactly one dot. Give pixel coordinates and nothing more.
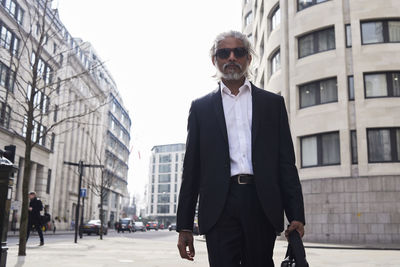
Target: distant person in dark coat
(34, 219)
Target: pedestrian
(34, 219)
(240, 162)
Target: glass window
(318, 92)
(383, 31)
(382, 84)
(162, 208)
(353, 142)
(164, 188)
(275, 62)
(163, 198)
(164, 168)
(348, 36)
(380, 145)
(165, 158)
(164, 178)
(248, 19)
(316, 42)
(275, 18)
(320, 150)
(350, 84)
(302, 4)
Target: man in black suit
(34, 218)
(240, 163)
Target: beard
(231, 74)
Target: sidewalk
(58, 232)
(123, 251)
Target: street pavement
(156, 249)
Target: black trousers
(243, 236)
(38, 228)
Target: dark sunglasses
(224, 53)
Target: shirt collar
(246, 86)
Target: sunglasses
(224, 53)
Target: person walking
(34, 219)
(240, 164)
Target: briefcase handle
(295, 251)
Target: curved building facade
(336, 63)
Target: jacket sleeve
(190, 176)
(292, 195)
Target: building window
(248, 19)
(164, 168)
(384, 31)
(164, 178)
(386, 84)
(162, 209)
(353, 142)
(53, 140)
(316, 42)
(14, 9)
(302, 4)
(163, 198)
(275, 62)
(176, 188)
(349, 41)
(350, 84)
(152, 199)
(8, 39)
(318, 92)
(48, 181)
(164, 188)
(320, 150)
(5, 115)
(165, 158)
(275, 18)
(152, 188)
(7, 77)
(383, 145)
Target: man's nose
(232, 56)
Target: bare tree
(32, 72)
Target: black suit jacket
(206, 169)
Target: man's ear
(213, 59)
(250, 58)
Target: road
(155, 249)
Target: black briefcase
(295, 254)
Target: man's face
(31, 196)
(234, 67)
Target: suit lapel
(219, 112)
(255, 114)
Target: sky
(158, 54)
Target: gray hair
(237, 35)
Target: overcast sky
(158, 53)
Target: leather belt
(242, 179)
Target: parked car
(172, 227)
(152, 225)
(93, 227)
(139, 226)
(125, 224)
(161, 226)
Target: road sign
(83, 192)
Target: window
(165, 158)
(384, 31)
(164, 188)
(318, 92)
(8, 39)
(350, 84)
(385, 84)
(7, 77)
(302, 4)
(275, 19)
(162, 208)
(176, 177)
(165, 168)
(164, 178)
(48, 181)
(53, 140)
(163, 198)
(383, 145)
(14, 9)
(248, 19)
(5, 115)
(315, 42)
(353, 142)
(320, 150)
(275, 62)
(348, 36)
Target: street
(152, 249)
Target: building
(70, 109)
(165, 176)
(336, 64)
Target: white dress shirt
(238, 111)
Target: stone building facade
(336, 64)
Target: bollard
(7, 168)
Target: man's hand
(30, 208)
(295, 225)
(185, 240)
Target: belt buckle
(239, 180)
